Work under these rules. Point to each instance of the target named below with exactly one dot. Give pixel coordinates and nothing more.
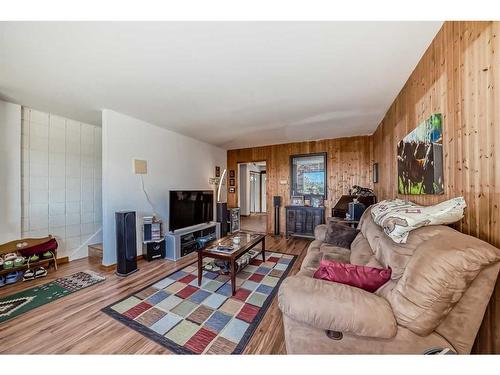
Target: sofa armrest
(332, 306)
(320, 232)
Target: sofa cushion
(398, 218)
(314, 246)
(367, 278)
(329, 252)
(437, 276)
(388, 253)
(340, 235)
(333, 250)
(320, 232)
(333, 306)
(361, 252)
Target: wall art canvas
(420, 159)
(308, 174)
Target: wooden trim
(62, 260)
(111, 267)
(107, 268)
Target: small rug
(19, 303)
(187, 319)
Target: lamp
(219, 189)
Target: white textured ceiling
(232, 84)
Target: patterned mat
(19, 303)
(188, 319)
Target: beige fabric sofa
(441, 283)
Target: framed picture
(217, 171)
(231, 182)
(298, 200)
(307, 201)
(232, 189)
(317, 202)
(308, 175)
(231, 173)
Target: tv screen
(189, 207)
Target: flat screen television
(190, 207)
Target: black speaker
(277, 201)
(222, 218)
(126, 243)
(155, 250)
(277, 205)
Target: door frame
(260, 185)
(238, 183)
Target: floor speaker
(277, 205)
(126, 243)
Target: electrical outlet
(140, 166)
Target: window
(309, 175)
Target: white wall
(243, 189)
(61, 181)
(10, 172)
(174, 162)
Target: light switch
(140, 166)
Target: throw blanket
(398, 217)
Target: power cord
(147, 196)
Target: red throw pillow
(367, 278)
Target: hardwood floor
(254, 222)
(75, 324)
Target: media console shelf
(301, 220)
(184, 241)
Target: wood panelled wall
(349, 163)
(459, 76)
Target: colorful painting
(308, 173)
(314, 183)
(420, 159)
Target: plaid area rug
(21, 302)
(188, 319)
